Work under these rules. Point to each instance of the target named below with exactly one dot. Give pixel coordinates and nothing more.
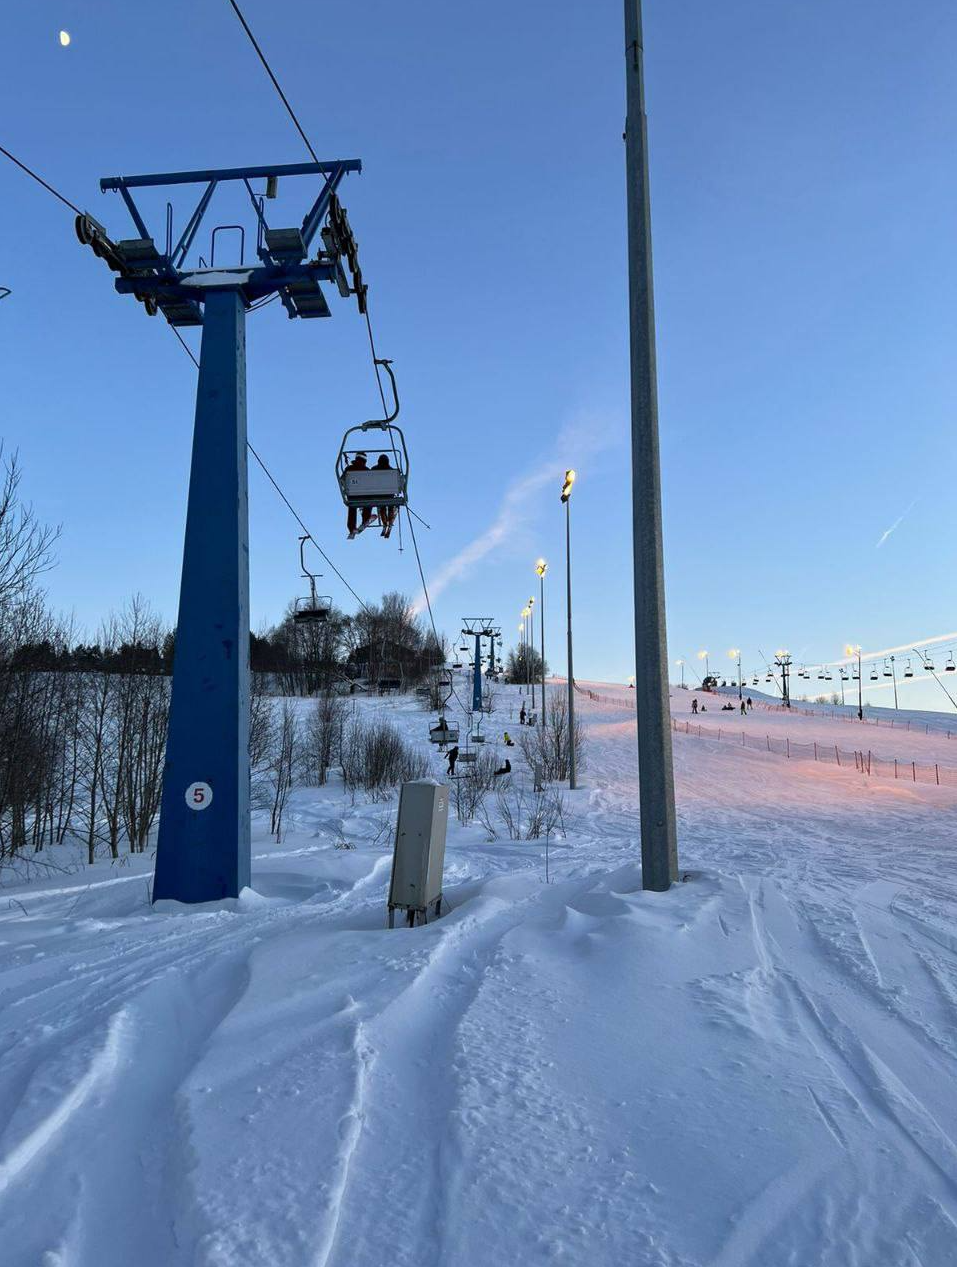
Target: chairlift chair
(445, 732)
(467, 757)
(928, 663)
(874, 675)
(908, 671)
(950, 667)
(887, 672)
(371, 486)
(314, 609)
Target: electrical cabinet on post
(416, 882)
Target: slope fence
(866, 763)
(832, 754)
(905, 723)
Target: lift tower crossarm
(157, 277)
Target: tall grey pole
(859, 685)
(543, 663)
(658, 819)
(893, 670)
(571, 720)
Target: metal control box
(416, 882)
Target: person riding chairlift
(358, 463)
(385, 514)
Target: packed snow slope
(756, 1068)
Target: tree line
(83, 722)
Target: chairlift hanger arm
(383, 422)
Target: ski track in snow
(756, 1069)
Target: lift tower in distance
(203, 848)
(478, 628)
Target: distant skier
(694, 707)
(507, 740)
(749, 703)
(452, 758)
(523, 714)
(743, 708)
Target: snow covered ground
(755, 1068)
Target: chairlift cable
(40, 181)
(285, 499)
(273, 79)
(73, 207)
(936, 678)
(313, 155)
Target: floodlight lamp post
(857, 651)
(565, 492)
(531, 680)
(734, 654)
(893, 673)
(680, 664)
(705, 657)
(541, 570)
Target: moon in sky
(64, 38)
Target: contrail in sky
(887, 532)
(516, 505)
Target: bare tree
(322, 739)
(547, 747)
(281, 760)
(26, 545)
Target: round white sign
(199, 795)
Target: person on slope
(359, 463)
(504, 769)
(694, 707)
(452, 758)
(523, 714)
(749, 703)
(743, 708)
(507, 740)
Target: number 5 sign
(199, 795)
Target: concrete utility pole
(658, 818)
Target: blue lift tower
(478, 628)
(203, 849)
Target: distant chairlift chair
(315, 609)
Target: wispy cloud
(888, 532)
(575, 442)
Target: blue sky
(803, 186)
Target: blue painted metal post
(203, 849)
(477, 677)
